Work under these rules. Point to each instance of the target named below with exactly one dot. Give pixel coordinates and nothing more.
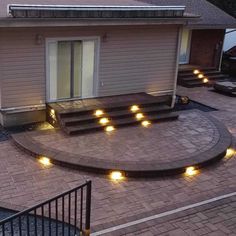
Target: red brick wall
(206, 47)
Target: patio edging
(152, 169)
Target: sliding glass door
(71, 67)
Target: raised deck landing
(75, 117)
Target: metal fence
(66, 214)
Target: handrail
(65, 196)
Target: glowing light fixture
(146, 123)
(196, 72)
(139, 116)
(190, 171)
(230, 152)
(98, 113)
(200, 76)
(134, 108)
(109, 128)
(53, 114)
(116, 175)
(205, 80)
(104, 121)
(45, 161)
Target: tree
(226, 5)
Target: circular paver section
(163, 148)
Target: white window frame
(97, 41)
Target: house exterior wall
(206, 47)
(132, 59)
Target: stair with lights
(198, 77)
(110, 116)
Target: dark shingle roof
(211, 16)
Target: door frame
(97, 40)
(188, 48)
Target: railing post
(88, 208)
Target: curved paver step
(131, 167)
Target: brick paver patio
(213, 219)
(24, 182)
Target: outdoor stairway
(188, 79)
(83, 120)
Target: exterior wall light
(109, 128)
(146, 123)
(104, 121)
(205, 81)
(139, 116)
(38, 39)
(98, 113)
(134, 108)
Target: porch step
(116, 106)
(113, 115)
(208, 73)
(78, 116)
(202, 69)
(122, 122)
(211, 77)
(187, 79)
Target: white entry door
(70, 69)
(185, 46)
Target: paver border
(130, 169)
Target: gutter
(36, 22)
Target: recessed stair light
(98, 113)
(134, 108)
(104, 121)
(146, 123)
(139, 116)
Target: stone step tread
(117, 123)
(115, 106)
(205, 73)
(212, 77)
(203, 69)
(114, 114)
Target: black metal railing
(66, 214)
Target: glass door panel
(77, 69)
(88, 68)
(64, 70)
(185, 46)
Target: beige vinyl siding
(132, 59)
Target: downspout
(177, 65)
(222, 51)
